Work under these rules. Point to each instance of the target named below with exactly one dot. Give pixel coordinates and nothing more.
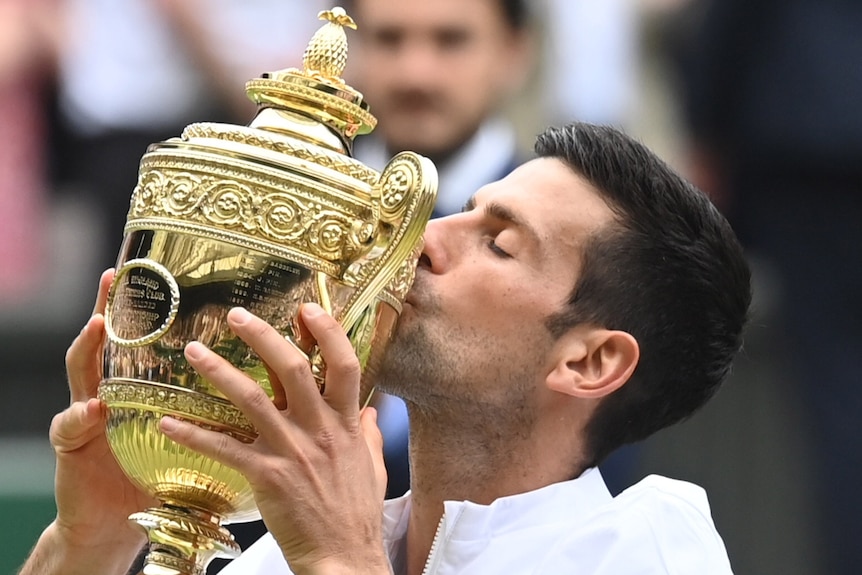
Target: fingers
(342, 366)
(218, 446)
(84, 361)
(77, 425)
(104, 286)
(374, 441)
(288, 364)
(83, 358)
(240, 389)
(287, 367)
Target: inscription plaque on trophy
(143, 303)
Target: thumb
(77, 425)
(83, 359)
(374, 441)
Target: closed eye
(500, 252)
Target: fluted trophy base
(183, 541)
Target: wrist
(60, 550)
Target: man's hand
(316, 467)
(91, 533)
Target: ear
(592, 363)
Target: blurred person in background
(772, 90)
(29, 37)
(138, 71)
(437, 76)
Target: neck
(452, 460)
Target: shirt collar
(578, 496)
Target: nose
(444, 242)
(418, 63)
(433, 256)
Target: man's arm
(53, 554)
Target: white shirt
(658, 526)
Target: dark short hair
(516, 12)
(669, 271)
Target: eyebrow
(500, 212)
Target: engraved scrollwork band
(243, 210)
(175, 564)
(203, 409)
(292, 91)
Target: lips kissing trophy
(265, 216)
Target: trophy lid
(317, 91)
(286, 185)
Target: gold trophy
(265, 216)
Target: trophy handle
(407, 190)
(405, 195)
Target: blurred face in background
(433, 70)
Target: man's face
(432, 71)
(473, 327)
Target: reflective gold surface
(265, 216)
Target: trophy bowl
(265, 216)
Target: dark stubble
(433, 377)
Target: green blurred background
(26, 497)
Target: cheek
(478, 74)
(499, 347)
(373, 80)
(500, 305)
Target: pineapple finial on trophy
(326, 54)
(318, 89)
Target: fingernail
(312, 310)
(372, 412)
(195, 350)
(168, 424)
(239, 315)
(89, 325)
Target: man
(589, 299)
(436, 74)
